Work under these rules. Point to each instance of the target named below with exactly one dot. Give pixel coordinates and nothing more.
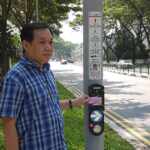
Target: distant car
(70, 60)
(123, 64)
(63, 61)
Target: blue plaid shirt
(30, 96)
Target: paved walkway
(127, 97)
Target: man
(29, 106)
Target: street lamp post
(26, 9)
(37, 11)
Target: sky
(69, 34)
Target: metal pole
(92, 56)
(26, 9)
(37, 11)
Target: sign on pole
(93, 73)
(95, 52)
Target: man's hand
(95, 100)
(80, 101)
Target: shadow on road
(123, 101)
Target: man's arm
(10, 133)
(78, 102)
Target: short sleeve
(11, 98)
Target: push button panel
(96, 109)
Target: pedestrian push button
(96, 109)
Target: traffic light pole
(93, 73)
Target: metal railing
(135, 70)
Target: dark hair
(27, 30)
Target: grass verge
(1, 137)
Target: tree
(62, 48)
(5, 7)
(19, 12)
(50, 11)
(132, 17)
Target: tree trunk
(5, 59)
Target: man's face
(41, 47)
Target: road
(127, 97)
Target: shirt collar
(26, 61)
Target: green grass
(74, 129)
(63, 92)
(1, 137)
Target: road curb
(124, 123)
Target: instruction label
(95, 45)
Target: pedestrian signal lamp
(96, 109)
